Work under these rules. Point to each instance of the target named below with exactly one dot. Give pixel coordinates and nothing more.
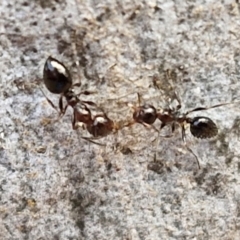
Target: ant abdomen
(145, 114)
(56, 76)
(202, 127)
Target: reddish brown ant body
(101, 126)
(144, 114)
(98, 126)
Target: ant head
(202, 127)
(101, 126)
(145, 114)
(56, 76)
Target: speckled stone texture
(55, 185)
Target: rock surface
(55, 185)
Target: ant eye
(56, 76)
(146, 114)
(202, 127)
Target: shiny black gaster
(56, 76)
(203, 127)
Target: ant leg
(76, 85)
(143, 123)
(123, 96)
(89, 139)
(49, 101)
(75, 55)
(173, 127)
(189, 149)
(90, 103)
(173, 130)
(149, 126)
(166, 136)
(139, 99)
(74, 125)
(162, 125)
(183, 134)
(62, 109)
(86, 93)
(178, 100)
(129, 124)
(61, 112)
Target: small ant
(200, 126)
(58, 80)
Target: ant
(58, 80)
(200, 127)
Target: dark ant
(200, 126)
(58, 80)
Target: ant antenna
(49, 101)
(210, 107)
(73, 38)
